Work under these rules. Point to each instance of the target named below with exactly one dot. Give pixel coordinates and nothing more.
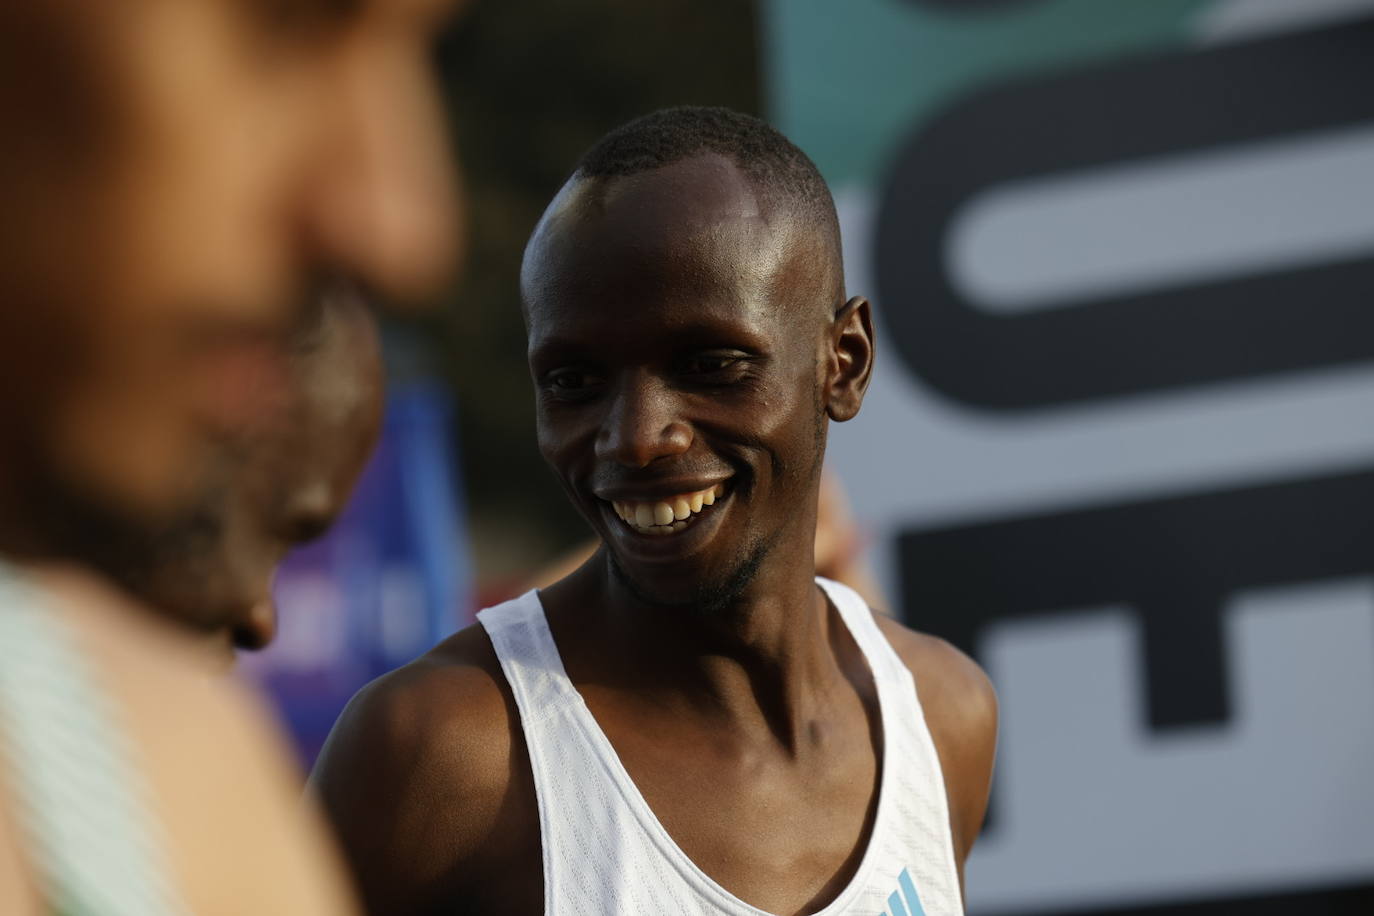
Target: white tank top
(606, 853)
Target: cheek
(783, 415)
(544, 437)
(556, 451)
(562, 436)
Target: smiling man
(690, 723)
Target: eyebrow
(556, 350)
(558, 346)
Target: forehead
(686, 244)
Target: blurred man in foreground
(176, 175)
(692, 722)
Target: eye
(715, 366)
(570, 382)
(699, 365)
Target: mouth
(668, 516)
(239, 379)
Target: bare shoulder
(950, 684)
(426, 780)
(960, 707)
(451, 704)
(226, 737)
(192, 734)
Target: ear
(851, 359)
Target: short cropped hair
(774, 165)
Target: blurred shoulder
(220, 778)
(172, 692)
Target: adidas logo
(904, 901)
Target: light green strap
(88, 828)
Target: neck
(768, 659)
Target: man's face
(284, 485)
(677, 329)
(176, 174)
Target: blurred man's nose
(385, 203)
(641, 426)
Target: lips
(669, 515)
(239, 379)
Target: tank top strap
(519, 632)
(858, 617)
(918, 835)
(578, 810)
(83, 810)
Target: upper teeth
(666, 515)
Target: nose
(641, 426)
(384, 202)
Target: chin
(693, 590)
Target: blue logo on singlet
(904, 900)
